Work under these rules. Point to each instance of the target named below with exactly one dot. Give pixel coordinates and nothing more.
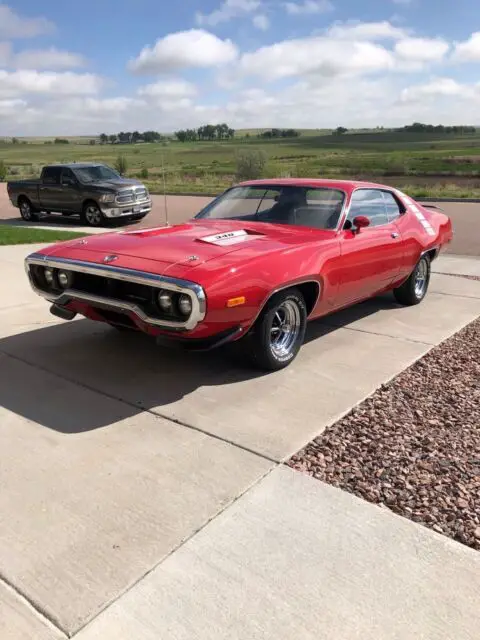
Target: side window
(394, 210)
(68, 174)
(369, 203)
(51, 175)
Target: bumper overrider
(127, 293)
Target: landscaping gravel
(414, 446)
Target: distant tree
(181, 135)
(231, 133)
(14, 140)
(135, 137)
(61, 141)
(121, 165)
(340, 131)
(112, 138)
(151, 136)
(3, 171)
(250, 164)
(92, 142)
(103, 138)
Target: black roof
(76, 165)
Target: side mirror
(360, 222)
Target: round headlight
(48, 275)
(185, 304)
(64, 279)
(165, 301)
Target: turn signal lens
(236, 302)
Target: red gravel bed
(458, 275)
(414, 446)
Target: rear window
(51, 175)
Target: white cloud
(17, 83)
(193, 48)
(383, 30)
(308, 7)
(13, 25)
(439, 87)
(422, 49)
(261, 22)
(228, 10)
(169, 89)
(468, 51)
(316, 55)
(51, 58)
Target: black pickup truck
(95, 192)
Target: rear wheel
(27, 212)
(92, 215)
(413, 290)
(278, 334)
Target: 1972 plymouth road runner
(253, 266)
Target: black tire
(259, 342)
(27, 211)
(414, 290)
(92, 215)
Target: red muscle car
(253, 266)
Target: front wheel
(278, 334)
(413, 290)
(92, 215)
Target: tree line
(130, 137)
(279, 133)
(206, 132)
(419, 127)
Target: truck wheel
(26, 210)
(92, 215)
(413, 290)
(278, 334)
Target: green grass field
(10, 234)
(425, 164)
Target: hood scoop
(231, 237)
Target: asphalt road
(465, 218)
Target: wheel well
(22, 198)
(310, 291)
(432, 254)
(88, 201)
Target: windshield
(95, 173)
(317, 207)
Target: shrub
(144, 173)
(121, 165)
(250, 164)
(3, 171)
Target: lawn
(427, 163)
(17, 235)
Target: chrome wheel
(421, 278)
(25, 210)
(93, 215)
(285, 329)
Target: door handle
(395, 235)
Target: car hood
(114, 184)
(193, 243)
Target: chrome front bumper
(195, 291)
(133, 209)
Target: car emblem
(110, 258)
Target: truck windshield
(316, 207)
(95, 173)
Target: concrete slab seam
(375, 333)
(176, 421)
(32, 606)
(131, 586)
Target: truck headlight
(107, 197)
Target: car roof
(75, 165)
(344, 185)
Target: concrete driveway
(142, 497)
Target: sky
(84, 68)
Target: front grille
(142, 295)
(131, 196)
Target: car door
(371, 257)
(69, 194)
(50, 189)
(398, 214)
